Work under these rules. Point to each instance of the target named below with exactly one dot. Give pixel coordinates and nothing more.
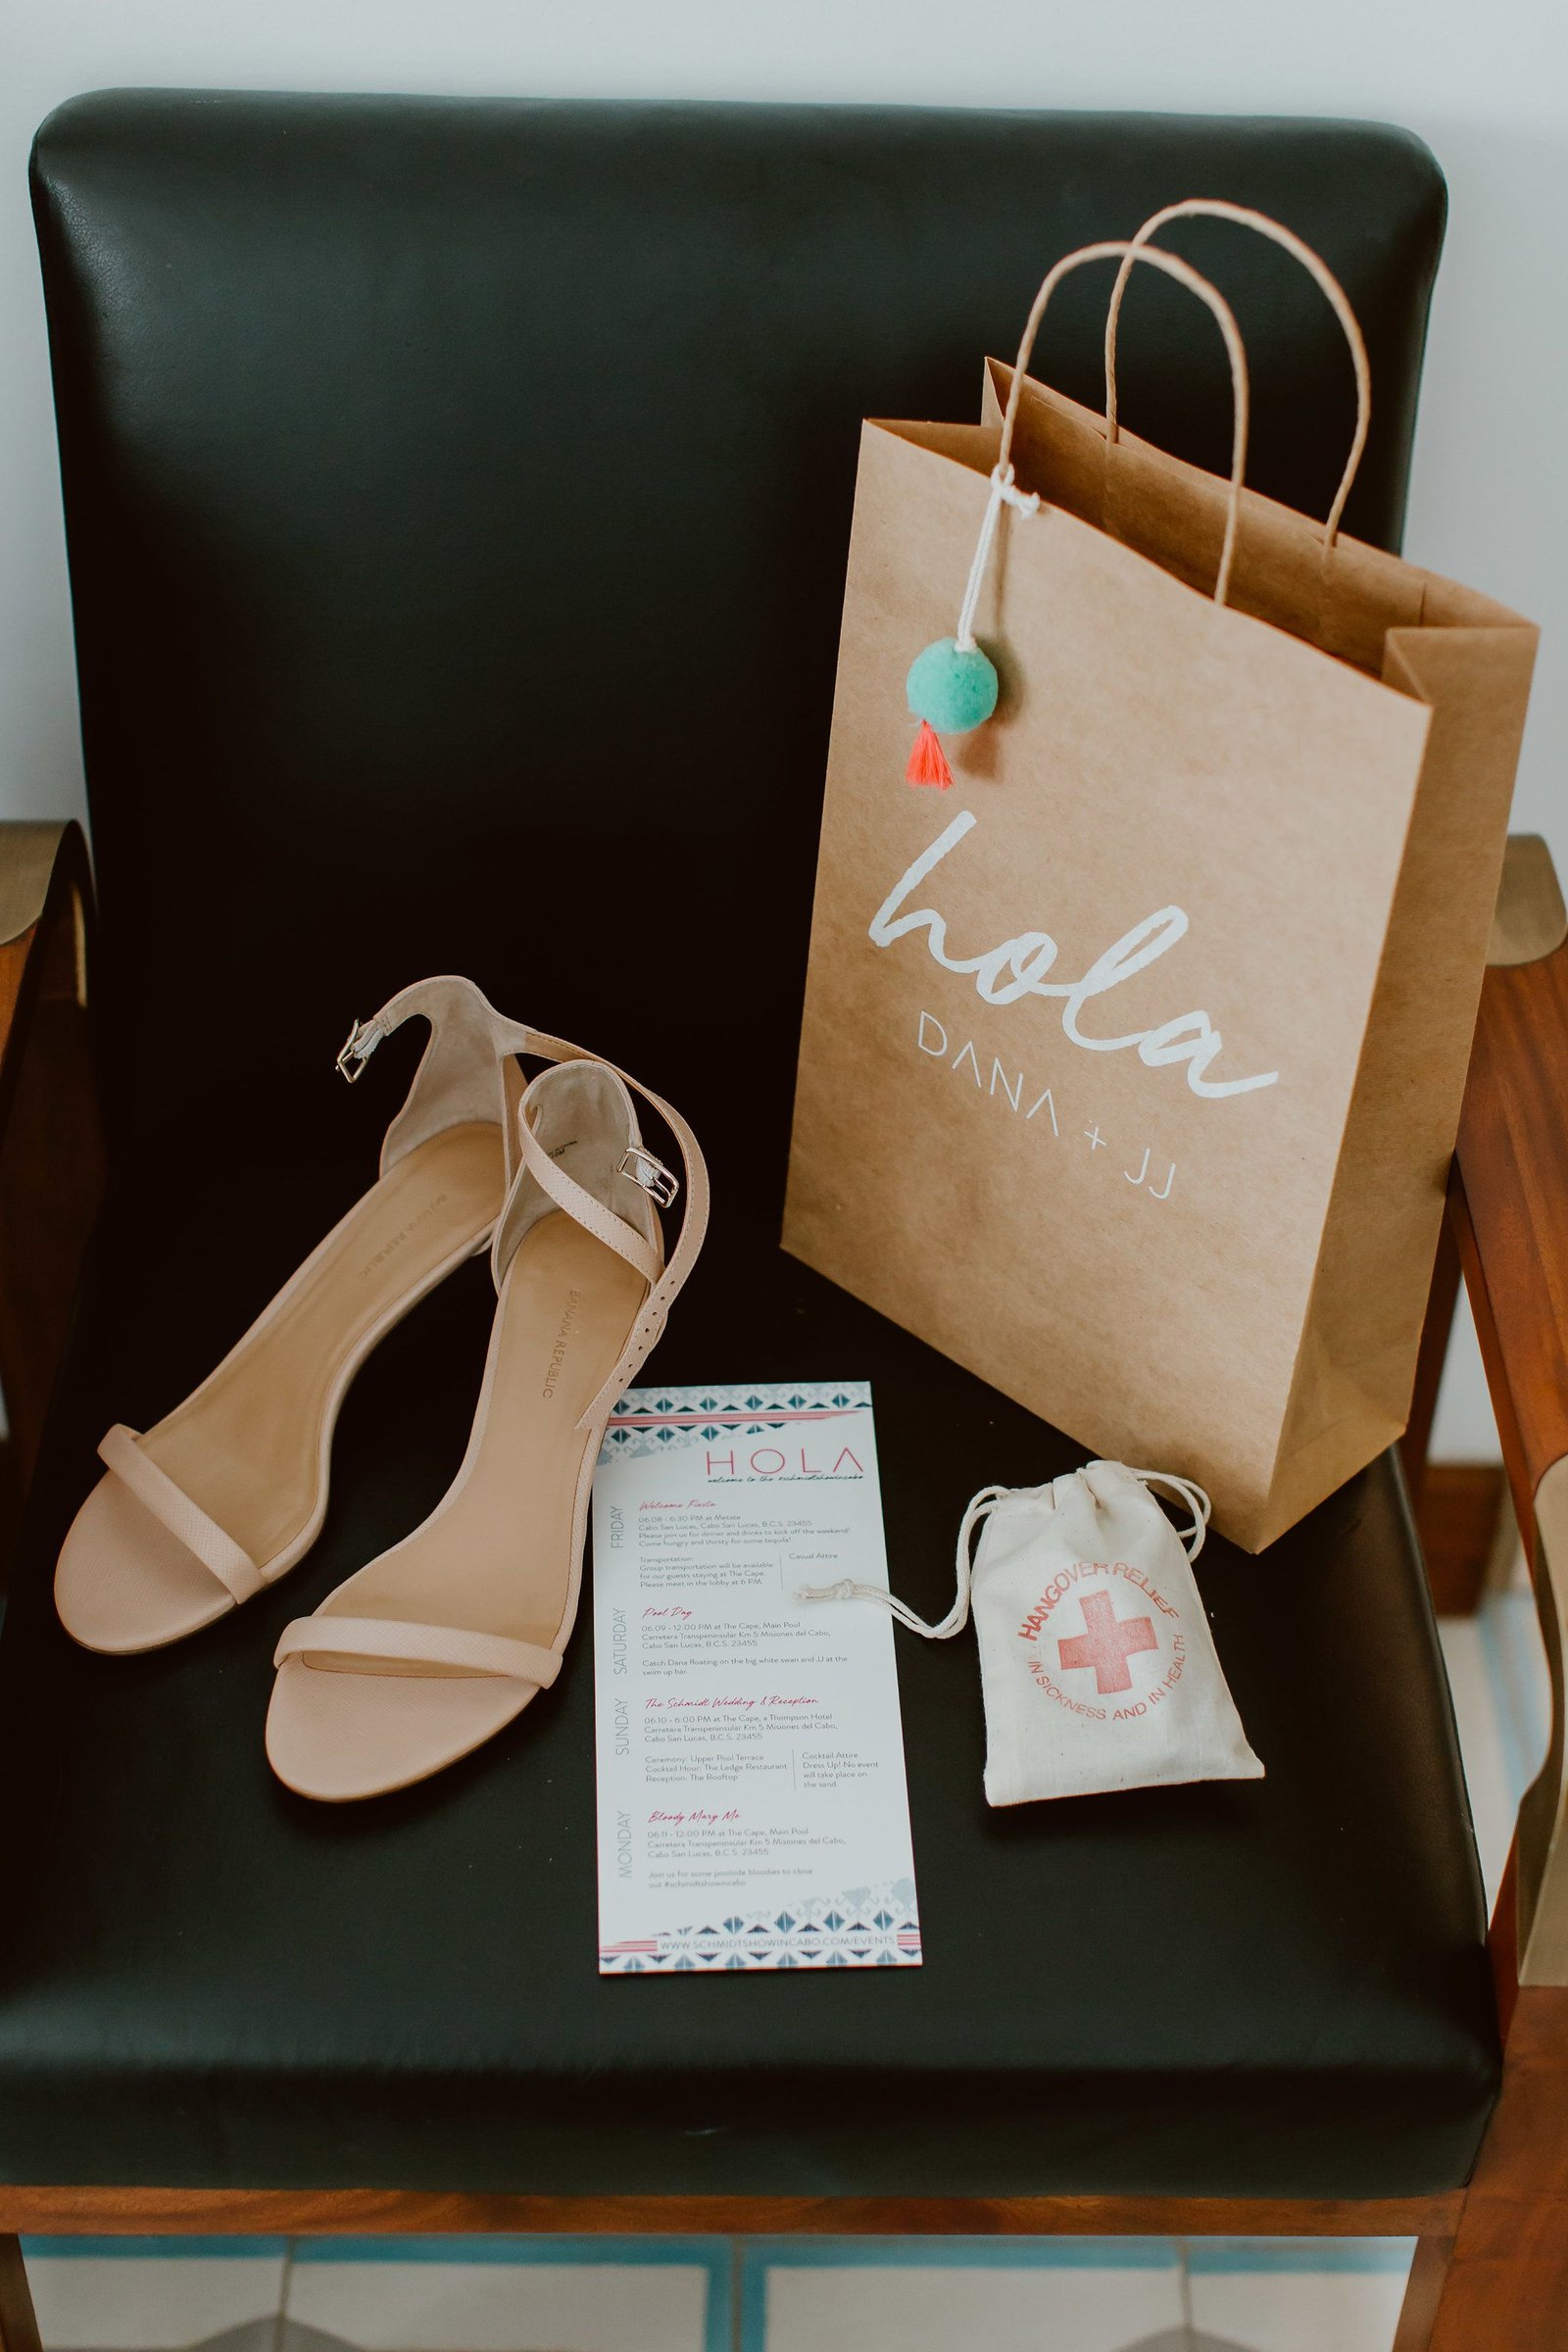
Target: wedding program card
(752, 1803)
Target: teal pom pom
(954, 691)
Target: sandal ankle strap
(467, 1071)
(648, 1171)
(473, 1055)
(644, 1256)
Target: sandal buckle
(357, 1049)
(659, 1183)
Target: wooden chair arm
(51, 1150)
(1509, 1208)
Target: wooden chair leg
(1428, 2276)
(1461, 1523)
(19, 2326)
(1507, 2281)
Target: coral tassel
(927, 761)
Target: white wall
(1484, 81)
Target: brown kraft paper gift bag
(1131, 1066)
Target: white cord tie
(957, 1617)
(980, 1507)
(1197, 1501)
(1003, 493)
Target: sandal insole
(247, 1446)
(498, 1555)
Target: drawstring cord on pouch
(979, 1507)
(1191, 1538)
(957, 1617)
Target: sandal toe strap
(393, 1640)
(120, 1452)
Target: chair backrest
(457, 495)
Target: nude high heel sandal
(230, 1491)
(433, 1648)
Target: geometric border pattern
(864, 1927)
(650, 1420)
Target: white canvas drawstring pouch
(1097, 1664)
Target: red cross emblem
(1106, 1642)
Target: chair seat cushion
(1275, 1987)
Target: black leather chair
(457, 496)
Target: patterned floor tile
(1298, 2295)
(513, 2294)
(149, 2294)
(898, 2295)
